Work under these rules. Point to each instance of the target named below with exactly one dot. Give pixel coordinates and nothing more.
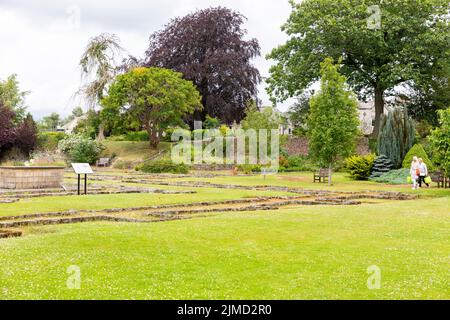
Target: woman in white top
(415, 172)
(423, 173)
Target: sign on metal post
(80, 169)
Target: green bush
(299, 163)
(49, 140)
(360, 167)
(78, 148)
(162, 166)
(399, 176)
(417, 151)
(249, 168)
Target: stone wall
(31, 177)
(299, 146)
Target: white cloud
(42, 41)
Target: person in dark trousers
(423, 170)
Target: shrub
(399, 176)
(249, 168)
(417, 151)
(381, 165)
(440, 139)
(26, 135)
(397, 135)
(78, 148)
(48, 141)
(162, 166)
(299, 163)
(360, 167)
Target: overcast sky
(42, 40)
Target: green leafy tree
(440, 139)
(12, 97)
(50, 122)
(397, 135)
(397, 42)
(99, 68)
(333, 118)
(267, 118)
(298, 114)
(159, 98)
(211, 123)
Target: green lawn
(132, 151)
(320, 252)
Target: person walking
(414, 171)
(423, 173)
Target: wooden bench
(441, 180)
(321, 176)
(103, 162)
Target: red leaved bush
(7, 128)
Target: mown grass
(305, 253)
(133, 150)
(98, 202)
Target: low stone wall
(31, 177)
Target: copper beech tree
(208, 48)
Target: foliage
(267, 118)
(333, 119)
(7, 127)
(158, 97)
(90, 125)
(409, 45)
(49, 140)
(26, 135)
(432, 93)
(360, 167)
(299, 163)
(12, 97)
(381, 165)
(76, 113)
(99, 61)
(399, 176)
(51, 122)
(224, 130)
(79, 148)
(163, 166)
(208, 48)
(249, 168)
(397, 135)
(298, 114)
(440, 139)
(417, 151)
(211, 123)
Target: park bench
(321, 175)
(103, 162)
(441, 180)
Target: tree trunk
(329, 175)
(101, 132)
(154, 138)
(379, 110)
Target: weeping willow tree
(396, 137)
(99, 68)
